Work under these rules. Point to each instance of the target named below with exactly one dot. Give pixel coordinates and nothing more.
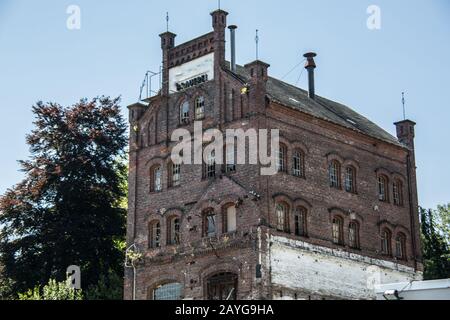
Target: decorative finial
(218, 4)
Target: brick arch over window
(163, 279)
(227, 266)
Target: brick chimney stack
(167, 43)
(219, 23)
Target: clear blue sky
(40, 59)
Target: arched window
(400, 246)
(298, 164)
(386, 242)
(155, 179)
(281, 211)
(300, 221)
(174, 171)
(397, 191)
(229, 221)
(173, 231)
(222, 286)
(168, 291)
(353, 234)
(383, 189)
(338, 231)
(154, 234)
(209, 168)
(209, 223)
(281, 158)
(334, 172)
(350, 179)
(184, 112)
(199, 108)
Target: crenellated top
(191, 50)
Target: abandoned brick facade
(339, 217)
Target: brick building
(338, 217)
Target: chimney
(310, 66)
(233, 46)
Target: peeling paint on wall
(319, 271)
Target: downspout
(411, 210)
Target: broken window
(209, 223)
(184, 112)
(222, 286)
(169, 291)
(173, 231)
(199, 108)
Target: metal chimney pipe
(233, 46)
(310, 66)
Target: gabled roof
(296, 98)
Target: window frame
(334, 174)
(301, 221)
(350, 179)
(383, 188)
(199, 104)
(206, 223)
(154, 234)
(282, 222)
(386, 242)
(338, 230)
(298, 163)
(184, 115)
(353, 241)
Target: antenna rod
(403, 103)
(167, 21)
(257, 42)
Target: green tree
(436, 249)
(68, 209)
(52, 291)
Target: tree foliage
(435, 226)
(52, 291)
(68, 210)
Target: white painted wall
(191, 69)
(300, 266)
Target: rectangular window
(176, 174)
